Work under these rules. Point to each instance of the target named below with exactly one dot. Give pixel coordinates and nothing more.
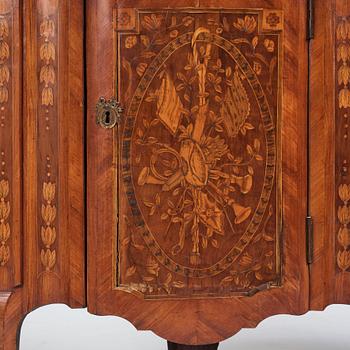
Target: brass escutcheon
(109, 113)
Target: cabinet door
(329, 158)
(197, 189)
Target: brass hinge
(310, 19)
(309, 239)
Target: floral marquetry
(272, 20)
(5, 110)
(5, 229)
(48, 230)
(126, 19)
(342, 109)
(4, 59)
(199, 155)
(48, 122)
(47, 56)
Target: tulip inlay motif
(5, 76)
(342, 110)
(48, 123)
(5, 229)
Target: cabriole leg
(11, 318)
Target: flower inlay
(198, 150)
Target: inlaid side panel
(342, 176)
(48, 126)
(10, 144)
(54, 129)
(329, 158)
(342, 137)
(49, 243)
(199, 152)
(6, 31)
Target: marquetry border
(124, 23)
(342, 142)
(269, 179)
(5, 76)
(47, 119)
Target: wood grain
(197, 153)
(48, 241)
(12, 310)
(55, 160)
(214, 319)
(10, 144)
(42, 233)
(329, 149)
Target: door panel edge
(218, 318)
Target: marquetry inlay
(5, 229)
(342, 141)
(4, 65)
(48, 230)
(5, 109)
(47, 71)
(48, 124)
(199, 152)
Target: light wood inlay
(5, 112)
(48, 124)
(343, 146)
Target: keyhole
(108, 118)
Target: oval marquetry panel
(198, 154)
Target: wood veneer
(215, 318)
(45, 47)
(44, 162)
(328, 157)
